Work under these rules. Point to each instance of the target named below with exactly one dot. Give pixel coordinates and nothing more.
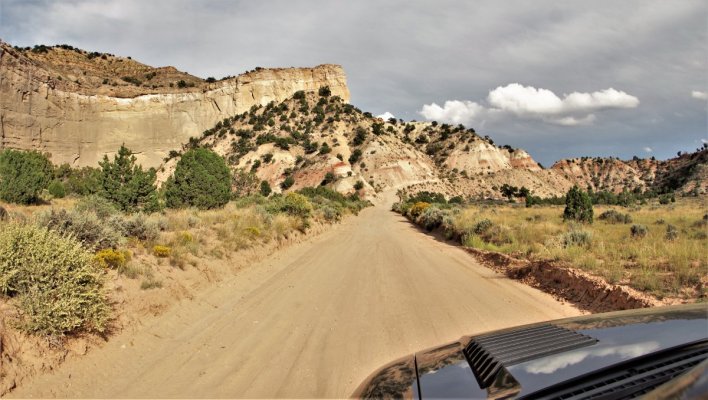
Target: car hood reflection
(545, 366)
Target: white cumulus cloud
(528, 102)
(386, 116)
(453, 111)
(697, 94)
(573, 109)
(648, 149)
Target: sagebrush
(57, 285)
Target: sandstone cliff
(76, 124)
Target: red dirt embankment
(587, 292)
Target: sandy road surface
(311, 321)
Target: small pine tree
(265, 188)
(287, 183)
(360, 136)
(201, 179)
(23, 175)
(126, 184)
(578, 206)
(329, 178)
(355, 156)
(324, 91)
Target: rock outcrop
(39, 111)
(483, 156)
(686, 173)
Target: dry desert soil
(310, 321)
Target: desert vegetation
(656, 248)
(64, 232)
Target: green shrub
(671, 233)
(456, 200)
(359, 137)
(287, 183)
(638, 231)
(201, 179)
(102, 207)
(400, 207)
(355, 156)
(667, 198)
(448, 226)
(323, 192)
(325, 149)
(23, 175)
(428, 197)
(296, 204)
(331, 214)
(56, 189)
(265, 189)
(58, 286)
(418, 208)
(125, 183)
(85, 181)
(431, 218)
(256, 164)
(133, 80)
(578, 206)
(139, 226)
(615, 217)
(498, 235)
(358, 185)
(482, 226)
(86, 227)
(577, 238)
(329, 178)
(324, 91)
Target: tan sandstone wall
(79, 129)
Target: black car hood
(444, 372)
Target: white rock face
(79, 129)
(481, 156)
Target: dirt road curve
(312, 321)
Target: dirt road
(312, 321)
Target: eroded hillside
(686, 173)
(315, 138)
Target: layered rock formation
(483, 156)
(39, 111)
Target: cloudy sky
(559, 79)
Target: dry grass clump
(668, 260)
(150, 283)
